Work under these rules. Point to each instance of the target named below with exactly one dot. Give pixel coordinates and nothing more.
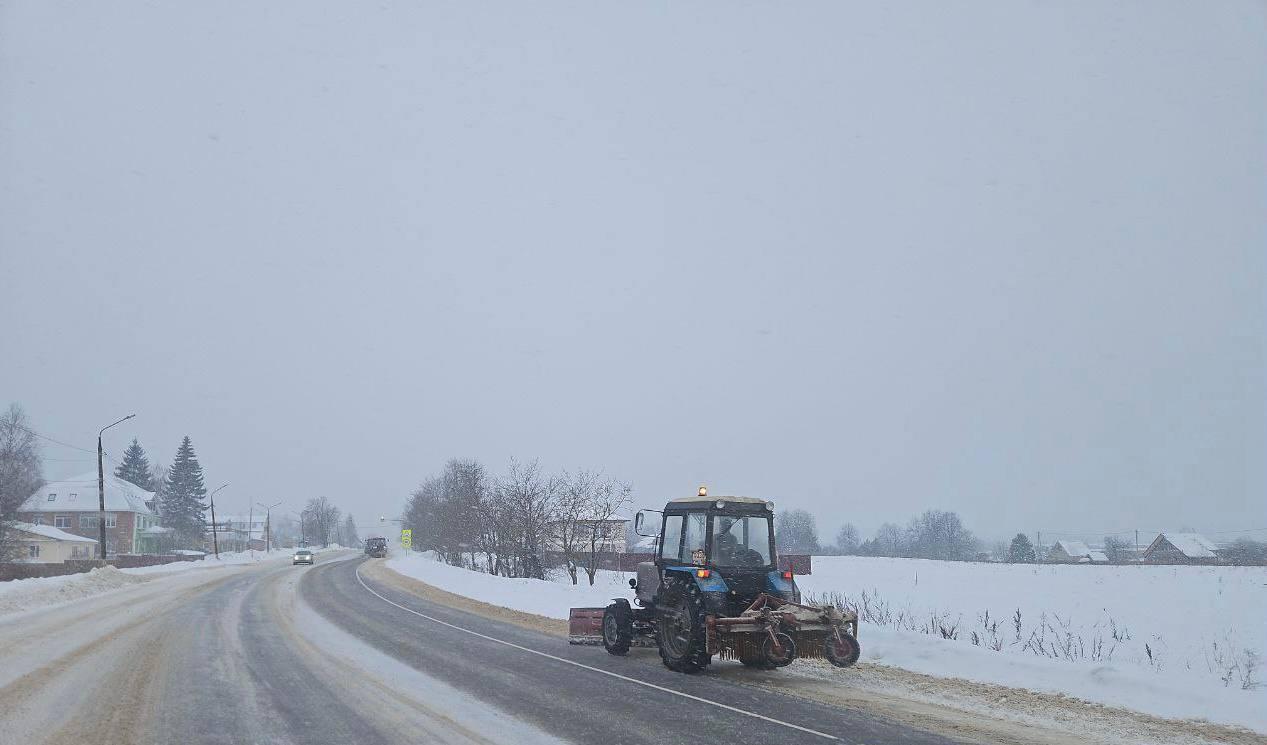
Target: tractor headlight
(769, 506)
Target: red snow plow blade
(585, 626)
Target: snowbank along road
(328, 654)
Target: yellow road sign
(406, 538)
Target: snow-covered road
(348, 651)
(225, 656)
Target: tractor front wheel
(617, 628)
(681, 633)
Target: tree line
(934, 534)
(506, 523)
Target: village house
(1181, 548)
(612, 535)
(238, 532)
(1074, 552)
(71, 506)
(44, 544)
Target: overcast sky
(1005, 258)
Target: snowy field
(43, 592)
(1096, 625)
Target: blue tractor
(715, 589)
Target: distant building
(612, 536)
(237, 532)
(1181, 548)
(1074, 552)
(72, 506)
(44, 544)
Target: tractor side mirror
(639, 520)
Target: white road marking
(595, 669)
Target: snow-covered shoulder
(551, 599)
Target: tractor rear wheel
(681, 633)
(617, 628)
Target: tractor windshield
(741, 541)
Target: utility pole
(215, 539)
(101, 488)
(268, 525)
(1137, 545)
(250, 527)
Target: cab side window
(671, 543)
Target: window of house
(52, 496)
(33, 551)
(72, 496)
(37, 520)
(87, 521)
(110, 520)
(61, 521)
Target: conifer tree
(1021, 551)
(181, 504)
(135, 468)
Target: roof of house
(121, 496)
(1098, 557)
(48, 531)
(1192, 545)
(1073, 548)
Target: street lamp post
(215, 540)
(268, 524)
(101, 488)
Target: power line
(53, 439)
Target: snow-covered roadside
(540, 597)
(44, 592)
(1121, 684)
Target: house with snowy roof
(71, 506)
(44, 544)
(1181, 548)
(1074, 552)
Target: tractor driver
(729, 551)
(727, 547)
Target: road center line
(594, 669)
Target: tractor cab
(725, 545)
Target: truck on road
(376, 547)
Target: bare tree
(847, 539)
(21, 472)
(797, 532)
(321, 521)
(568, 528)
(446, 512)
(1117, 549)
(522, 502)
(889, 540)
(606, 499)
